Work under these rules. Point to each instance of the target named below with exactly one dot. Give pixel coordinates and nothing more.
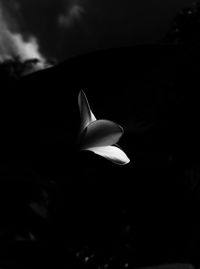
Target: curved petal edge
(85, 112)
(102, 133)
(111, 153)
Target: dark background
(61, 206)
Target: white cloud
(14, 46)
(71, 16)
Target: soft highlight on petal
(101, 133)
(111, 153)
(85, 112)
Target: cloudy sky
(62, 28)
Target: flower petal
(101, 133)
(85, 112)
(111, 153)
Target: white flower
(99, 136)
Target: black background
(145, 213)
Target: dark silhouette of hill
(152, 204)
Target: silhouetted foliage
(185, 28)
(14, 68)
